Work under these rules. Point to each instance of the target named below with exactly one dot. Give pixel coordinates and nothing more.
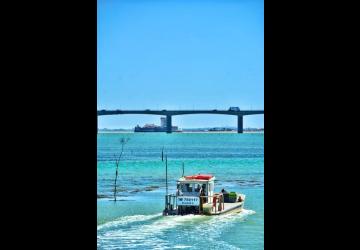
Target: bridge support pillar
(240, 124)
(168, 124)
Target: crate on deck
(232, 197)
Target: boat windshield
(186, 187)
(192, 188)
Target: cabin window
(186, 187)
(191, 187)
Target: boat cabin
(195, 184)
(195, 195)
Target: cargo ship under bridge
(156, 128)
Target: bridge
(170, 113)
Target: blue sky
(180, 55)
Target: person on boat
(221, 202)
(202, 199)
(215, 197)
(179, 192)
(205, 192)
(225, 195)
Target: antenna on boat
(166, 175)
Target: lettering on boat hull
(188, 201)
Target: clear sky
(201, 54)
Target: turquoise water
(135, 220)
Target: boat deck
(228, 207)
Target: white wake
(150, 235)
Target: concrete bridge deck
(170, 113)
(178, 112)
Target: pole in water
(162, 154)
(183, 169)
(166, 175)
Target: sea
(135, 220)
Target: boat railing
(170, 202)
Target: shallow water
(135, 220)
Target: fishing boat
(195, 195)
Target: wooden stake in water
(123, 141)
(166, 175)
(162, 154)
(183, 169)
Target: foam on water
(145, 235)
(213, 227)
(148, 234)
(181, 246)
(128, 220)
